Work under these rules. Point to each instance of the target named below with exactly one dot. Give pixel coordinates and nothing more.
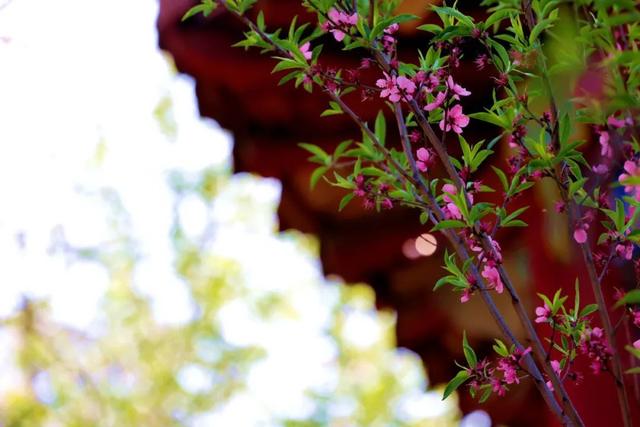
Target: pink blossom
(392, 28)
(430, 83)
(497, 250)
(388, 42)
(440, 97)
(395, 87)
(625, 250)
(616, 123)
(555, 365)
(481, 62)
(466, 295)
(457, 90)
(596, 366)
(497, 387)
(636, 344)
(339, 21)
(632, 170)
(389, 88)
(493, 276)
(509, 371)
(605, 147)
(636, 318)
(407, 86)
(451, 211)
(361, 188)
(304, 49)
(424, 159)
(543, 313)
(369, 203)
(600, 169)
(454, 119)
(580, 234)
(449, 188)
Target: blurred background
(164, 261)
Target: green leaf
(286, 64)
(432, 28)
(341, 148)
(345, 201)
(485, 395)
(292, 75)
(206, 7)
(382, 25)
(424, 217)
(318, 152)
(497, 16)
(456, 382)
(449, 11)
(381, 128)
(469, 354)
(327, 113)
(448, 223)
(260, 21)
(443, 281)
(500, 348)
(513, 215)
(565, 129)
(620, 214)
(631, 297)
(589, 309)
(502, 177)
(479, 158)
(515, 223)
(502, 53)
(539, 28)
(576, 185)
(492, 118)
(315, 176)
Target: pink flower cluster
(395, 88)
(508, 366)
(339, 23)
(453, 118)
(594, 344)
(450, 209)
(388, 40)
(365, 190)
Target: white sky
(74, 73)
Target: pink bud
(580, 235)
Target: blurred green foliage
(129, 370)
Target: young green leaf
(456, 382)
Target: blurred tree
(268, 341)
